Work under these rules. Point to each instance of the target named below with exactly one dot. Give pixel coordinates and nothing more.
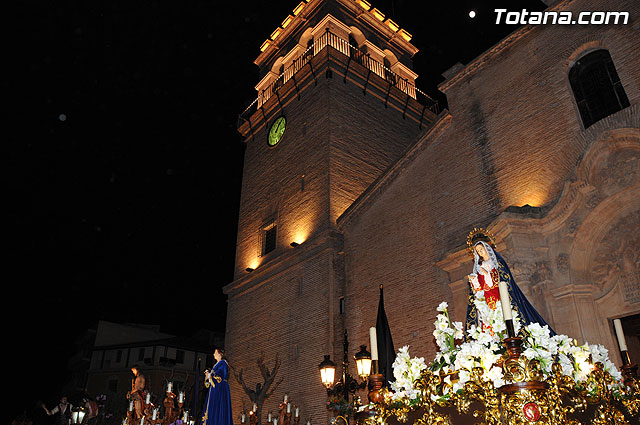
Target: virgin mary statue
(484, 310)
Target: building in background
(162, 358)
(353, 178)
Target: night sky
(125, 164)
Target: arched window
(596, 87)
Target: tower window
(596, 87)
(269, 234)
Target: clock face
(277, 130)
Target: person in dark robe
(217, 409)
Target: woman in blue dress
(217, 409)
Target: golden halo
(479, 234)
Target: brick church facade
(364, 182)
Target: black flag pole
(386, 352)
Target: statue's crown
(479, 234)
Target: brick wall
(332, 150)
(515, 138)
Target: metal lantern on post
(363, 362)
(327, 371)
(347, 384)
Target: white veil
(492, 262)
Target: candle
(142, 420)
(131, 406)
(186, 416)
(504, 300)
(620, 334)
(269, 417)
(169, 387)
(255, 407)
(374, 343)
(242, 418)
(148, 399)
(286, 397)
(288, 407)
(181, 397)
(275, 421)
(297, 411)
(308, 422)
(154, 414)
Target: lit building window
(596, 87)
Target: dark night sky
(125, 165)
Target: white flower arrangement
(483, 348)
(406, 372)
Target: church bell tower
(335, 106)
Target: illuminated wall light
(286, 21)
(294, 244)
(276, 33)
(249, 269)
(264, 45)
(394, 27)
(298, 9)
(364, 4)
(406, 35)
(377, 14)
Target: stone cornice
(326, 241)
(359, 13)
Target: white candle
(142, 420)
(242, 418)
(504, 300)
(620, 334)
(169, 387)
(255, 407)
(148, 399)
(181, 397)
(286, 397)
(131, 406)
(269, 417)
(124, 421)
(288, 407)
(297, 411)
(154, 414)
(275, 421)
(308, 422)
(373, 340)
(186, 416)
